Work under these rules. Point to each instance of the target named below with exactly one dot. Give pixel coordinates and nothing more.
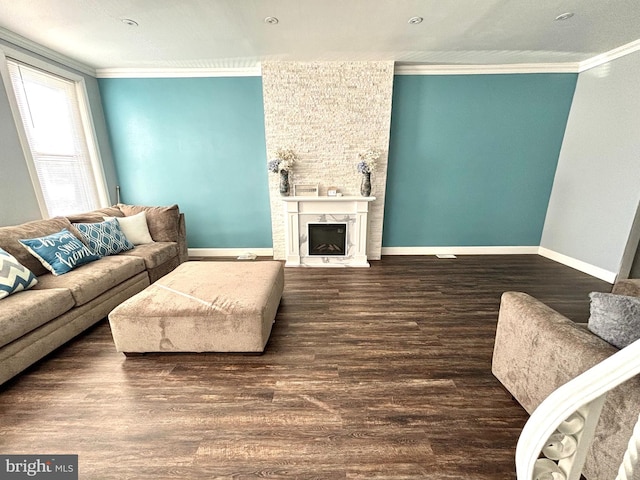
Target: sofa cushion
(154, 254)
(164, 222)
(10, 240)
(95, 216)
(25, 311)
(93, 279)
(14, 276)
(59, 252)
(615, 318)
(135, 228)
(104, 238)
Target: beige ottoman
(202, 307)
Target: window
(68, 177)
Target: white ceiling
(232, 33)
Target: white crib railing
(563, 425)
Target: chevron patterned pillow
(13, 276)
(104, 238)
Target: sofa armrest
(183, 251)
(629, 286)
(166, 224)
(537, 349)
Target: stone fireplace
(328, 113)
(326, 231)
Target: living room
(518, 143)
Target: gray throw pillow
(615, 318)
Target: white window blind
(50, 112)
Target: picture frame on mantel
(305, 190)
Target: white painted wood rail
(630, 460)
(584, 394)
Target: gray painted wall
(18, 201)
(597, 184)
(102, 136)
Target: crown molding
(609, 56)
(505, 69)
(33, 47)
(255, 71)
(177, 72)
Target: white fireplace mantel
(352, 210)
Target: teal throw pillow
(13, 275)
(59, 252)
(104, 238)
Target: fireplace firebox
(327, 239)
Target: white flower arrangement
(285, 158)
(367, 163)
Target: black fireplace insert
(327, 239)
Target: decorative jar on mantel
(366, 165)
(365, 186)
(283, 164)
(285, 186)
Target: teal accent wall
(197, 142)
(472, 158)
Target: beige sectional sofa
(537, 350)
(35, 322)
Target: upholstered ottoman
(202, 307)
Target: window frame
(86, 117)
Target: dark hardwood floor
(380, 373)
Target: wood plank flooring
(380, 373)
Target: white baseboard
(229, 252)
(459, 250)
(579, 265)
